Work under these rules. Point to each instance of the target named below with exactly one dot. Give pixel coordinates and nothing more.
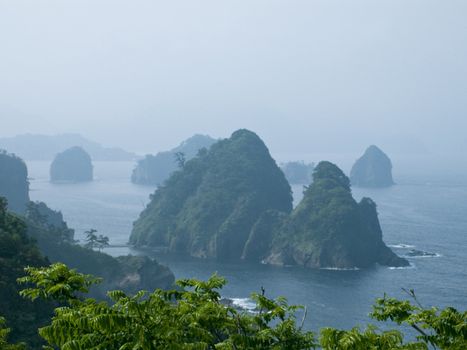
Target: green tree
(190, 318)
(193, 317)
(95, 241)
(4, 344)
(180, 159)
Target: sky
(306, 75)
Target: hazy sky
(307, 76)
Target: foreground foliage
(17, 250)
(194, 317)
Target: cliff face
(14, 184)
(330, 229)
(72, 165)
(154, 170)
(373, 169)
(208, 208)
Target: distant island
(45, 147)
(373, 169)
(14, 184)
(154, 170)
(233, 202)
(72, 165)
(298, 172)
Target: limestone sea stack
(373, 169)
(72, 165)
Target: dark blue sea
(424, 211)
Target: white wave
(244, 303)
(411, 266)
(401, 246)
(340, 268)
(431, 255)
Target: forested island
(72, 165)
(298, 172)
(155, 169)
(327, 229)
(208, 207)
(232, 201)
(372, 169)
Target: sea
(424, 211)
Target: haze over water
(420, 212)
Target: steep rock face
(14, 184)
(298, 172)
(154, 170)
(72, 165)
(330, 229)
(209, 207)
(373, 169)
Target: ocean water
(420, 212)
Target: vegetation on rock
(330, 229)
(72, 165)
(208, 208)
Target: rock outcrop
(14, 184)
(330, 229)
(154, 170)
(72, 165)
(209, 207)
(373, 169)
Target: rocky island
(328, 228)
(154, 170)
(233, 202)
(298, 172)
(14, 184)
(373, 169)
(208, 208)
(72, 165)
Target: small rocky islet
(71, 166)
(372, 169)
